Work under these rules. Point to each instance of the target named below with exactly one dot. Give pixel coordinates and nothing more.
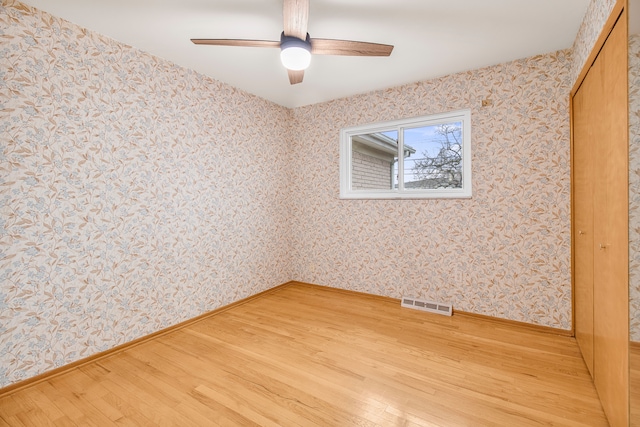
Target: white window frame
(346, 192)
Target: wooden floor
(634, 384)
(310, 356)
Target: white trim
(346, 191)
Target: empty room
(320, 213)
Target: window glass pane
(415, 158)
(433, 157)
(374, 161)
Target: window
(423, 157)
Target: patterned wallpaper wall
(596, 16)
(504, 253)
(134, 194)
(634, 186)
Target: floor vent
(431, 307)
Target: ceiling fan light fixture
(295, 53)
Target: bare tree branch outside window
(426, 157)
(444, 168)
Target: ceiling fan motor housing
(295, 53)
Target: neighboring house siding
(370, 173)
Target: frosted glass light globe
(295, 58)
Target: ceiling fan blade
(237, 42)
(295, 77)
(349, 47)
(296, 18)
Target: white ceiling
(431, 38)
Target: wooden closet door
(584, 113)
(611, 237)
(600, 223)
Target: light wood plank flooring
(634, 384)
(311, 356)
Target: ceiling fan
(296, 45)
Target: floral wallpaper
(634, 186)
(134, 194)
(596, 16)
(504, 253)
